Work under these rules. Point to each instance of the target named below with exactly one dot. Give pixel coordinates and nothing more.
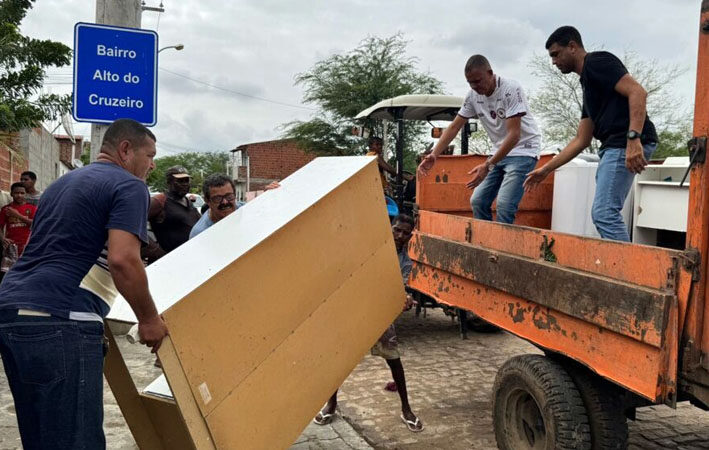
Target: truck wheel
(605, 409)
(536, 406)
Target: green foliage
(557, 103)
(198, 164)
(86, 153)
(673, 143)
(345, 84)
(23, 61)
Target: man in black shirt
(172, 215)
(614, 113)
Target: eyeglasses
(219, 198)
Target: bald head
(477, 62)
(125, 130)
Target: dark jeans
(55, 371)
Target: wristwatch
(488, 164)
(632, 134)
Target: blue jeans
(504, 182)
(613, 182)
(55, 371)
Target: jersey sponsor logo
(493, 114)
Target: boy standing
(16, 219)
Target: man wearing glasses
(219, 193)
(172, 214)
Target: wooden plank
(134, 412)
(168, 422)
(630, 310)
(257, 302)
(273, 404)
(190, 413)
(630, 363)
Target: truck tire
(536, 406)
(605, 410)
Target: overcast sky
(256, 47)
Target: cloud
(257, 47)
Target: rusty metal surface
(630, 310)
(633, 364)
(444, 190)
(647, 266)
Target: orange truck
(621, 325)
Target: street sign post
(115, 74)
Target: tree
(23, 61)
(198, 164)
(345, 84)
(557, 103)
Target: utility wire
(290, 105)
(237, 92)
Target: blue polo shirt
(68, 235)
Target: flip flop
(413, 425)
(323, 418)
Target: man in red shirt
(16, 219)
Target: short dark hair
(564, 35)
(216, 180)
(29, 173)
(477, 62)
(126, 130)
(405, 218)
(16, 185)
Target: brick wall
(273, 160)
(12, 162)
(68, 151)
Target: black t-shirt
(174, 229)
(608, 109)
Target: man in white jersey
(501, 107)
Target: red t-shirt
(16, 230)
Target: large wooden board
(271, 308)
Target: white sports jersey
(507, 100)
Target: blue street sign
(115, 74)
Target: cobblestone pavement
(337, 436)
(449, 381)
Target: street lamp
(176, 47)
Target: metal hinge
(697, 147)
(692, 261)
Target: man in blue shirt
(85, 247)
(220, 195)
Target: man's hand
(635, 160)
(427, 164)
(479, 173)
(152, 332)
(409, 302)
(272, 185)
(534, 178)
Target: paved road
(449, 381)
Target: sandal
(323, 418)
(415, 426)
